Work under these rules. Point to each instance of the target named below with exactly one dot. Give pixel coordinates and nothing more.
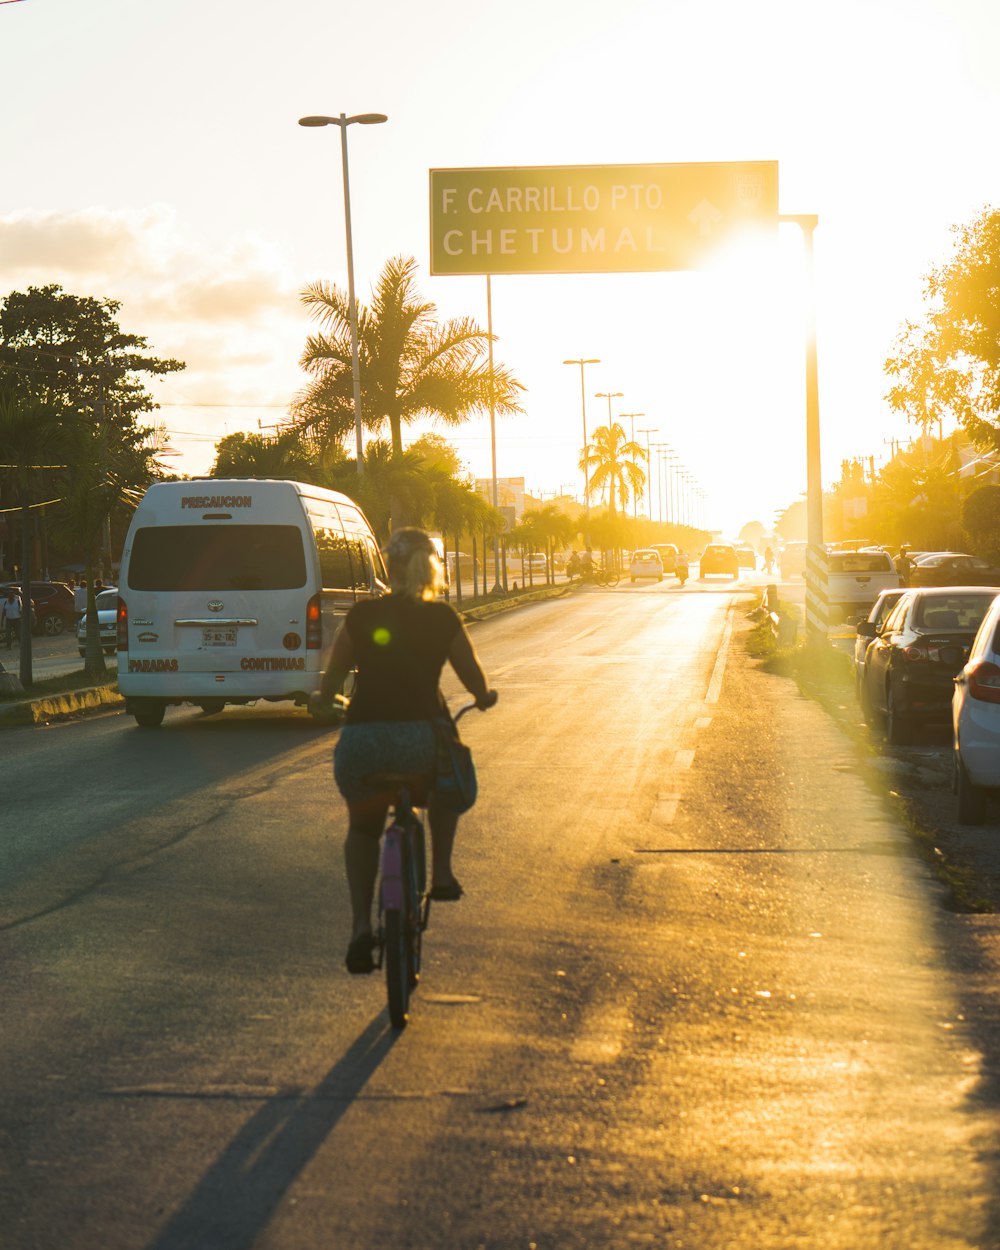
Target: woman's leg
(361, 851)
(443, 825)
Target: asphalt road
(699, 993)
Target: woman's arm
(465, 662)
(341, 663)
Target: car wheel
(148, 713)
(53, 624)
(865, 699)
(898, 724)
(971, 798)
(212, 707)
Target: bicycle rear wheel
(397, 967)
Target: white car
(646, 563)
(107, 621)
(853, 582)
(883, 605)
(975, 709)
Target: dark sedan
(954, 569)
(913, 658)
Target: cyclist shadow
(238, 1194)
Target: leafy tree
(410, 364)
(981, 518)
(286, 455)
(77, 356)
(437, 452)
(949, 363)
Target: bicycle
(404, 903)
(606, 577)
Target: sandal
(450, 892)
(359, 955)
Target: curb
(59, 706)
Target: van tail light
(916, 654)
(314, 624)
(122, 620)
(984, 682)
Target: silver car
(107, 620)
(883, 605)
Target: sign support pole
(816, 598)
(493, 436)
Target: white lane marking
(703, 722)
(715, 684)
(602, 1037)
(683, 759)
(665, 810)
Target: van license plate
(221, 637)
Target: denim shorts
(406, 746)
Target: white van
(231, 591)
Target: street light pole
(632, 416)
(343, 121)
(586, 472)
(649, 493)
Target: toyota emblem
(215, 605)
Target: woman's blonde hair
(413, 565)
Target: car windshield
(964, 612)
(645, 555)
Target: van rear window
(217, 557)
(859, 562)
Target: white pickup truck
(854, 579)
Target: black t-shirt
(400, 646)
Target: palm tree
(612, 462)
(411, 365)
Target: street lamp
(649, 493)
(586, 472)
(632, 416)
(343, 121)
(609, 396)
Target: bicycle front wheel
(397, 967)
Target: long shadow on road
(239, 1193)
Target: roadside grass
(65, 684)
(825, 674)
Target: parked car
(954, 569)
(646, 563)
(912, 661)
(668, 554)
(975, 711)
(792, 560)
(853, 582)
(883, 605)
(719, 558)
(107, 622)
(747, 557)
(52, 606)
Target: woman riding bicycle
(398, 644)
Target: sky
(151, 154)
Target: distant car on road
(645, 563)
(976, 722)
(107, 622)
(792, 560)
(668, 554)
(719, 558)
(52, 606)
(912, 662)
(747, 557)
(954, 569)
